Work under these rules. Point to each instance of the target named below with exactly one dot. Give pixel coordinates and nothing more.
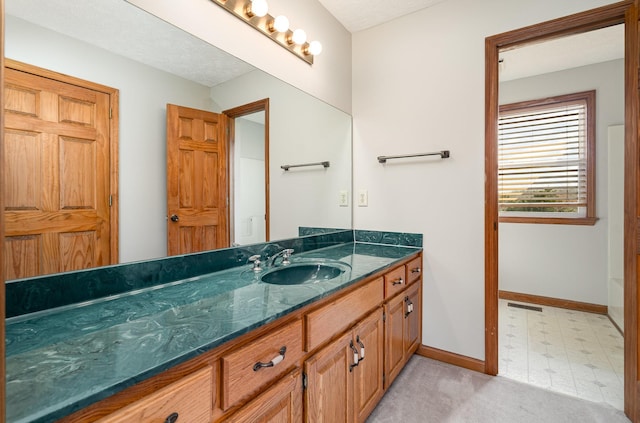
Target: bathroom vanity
(226, 345)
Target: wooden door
(281, 403)
(197, 189)
(57, 187)
(329, 393)
(412, 319)
(368, 389)
(394, 338)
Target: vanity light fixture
(298, 37)
(257, 8)
(280, 23)
(314, 48)
(255, 13)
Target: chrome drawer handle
(276, 360)
(361, 344)
(409, 308)
(171, 418)
(356, 357)
(398, 281)
(416, 270)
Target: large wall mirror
(151, 64)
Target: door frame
(232, 114)
(623, 12)
(114, 96)
(3, 390)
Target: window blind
(542, 158)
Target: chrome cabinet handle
(398, 281)
(275, 361)
(171, 418)
(409, 306)
(356, 358)
(361, 344)
(416, 270)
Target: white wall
(566, 261)
(328, 79)
(301, 130)
(418, 86)
(144, 93)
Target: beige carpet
(430, 391)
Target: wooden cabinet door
(281, 403)
(368, 389)
(329, 393)
(394, 338)
(57, 178)
(412, 327)
(197, 189)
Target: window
(546, 160)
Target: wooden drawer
(240, 380)
(332, 319)
(395, 281)
(414, 269)
(280, 403)
(190, 398)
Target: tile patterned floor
(576, 353)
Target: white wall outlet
(343, 198)
(363, 198)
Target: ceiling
(356, 15)
(563, 53)
(121, 28)
(549, 56)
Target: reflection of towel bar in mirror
(444, 154)
(323, 164)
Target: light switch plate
(363, 198)
(344, 198)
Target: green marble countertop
(61, 360)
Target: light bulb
(314, 48)
(281, 23)
(299, 36)
(258, 8)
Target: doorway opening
(249, 170)
(596, 19)
(560, 179)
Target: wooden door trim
(3, 395)
(114, 101)
(236, 112)
(631, 208)
(617, 13)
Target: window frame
(589, 97)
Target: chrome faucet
(285, 254)
(256, 263)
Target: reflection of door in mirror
(249, 165)
(197, 189)
(59, 214)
